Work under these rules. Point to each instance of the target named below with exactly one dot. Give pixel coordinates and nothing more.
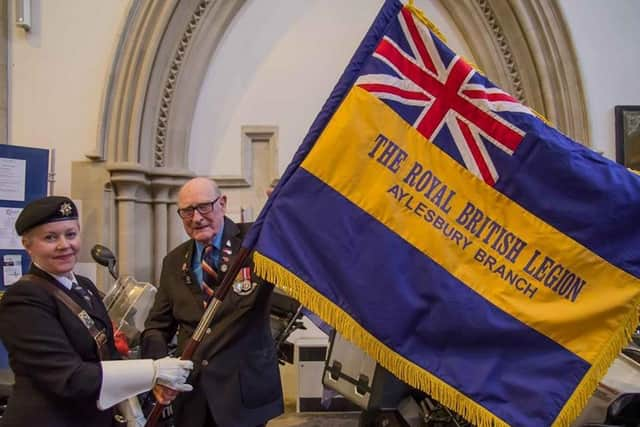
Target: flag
(473, 250)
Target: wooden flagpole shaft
(204, 323)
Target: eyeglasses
(202, 208)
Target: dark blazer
(236, 368)
(53, 356)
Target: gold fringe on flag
(541, 117)
(403, 368)
(434, 29)
(422, 18)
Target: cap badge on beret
(66, 209)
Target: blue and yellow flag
(474, 251)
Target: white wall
(607, 39)
(58, 74)
(276, 65)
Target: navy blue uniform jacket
(236, 368)
(53, 356)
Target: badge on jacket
(86, 319)
(243, 284)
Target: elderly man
(236, 378)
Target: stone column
(176, 229)
(160, 226)
(164, 184)
(127, 180)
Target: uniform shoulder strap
(99, 336)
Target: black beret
(45, 210)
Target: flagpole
(205, 321)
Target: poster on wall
(23, 177)
(12, 179)
(9, 239)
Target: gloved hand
(171, 372)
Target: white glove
(122, 379)
(171, 372)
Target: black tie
(85, 294)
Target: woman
(59, 336)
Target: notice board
(23, 178)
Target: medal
(243, 284)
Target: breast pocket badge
(243, 284)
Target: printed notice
(12, 268)
(12, 179)
(9, 239)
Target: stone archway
(162, 59)
(158, 68)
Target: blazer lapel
(189, 278)
(230, 245)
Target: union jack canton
(443, 97)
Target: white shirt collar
(66, 280)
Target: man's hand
(164, 395)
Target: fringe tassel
(422, 18)
(541, 117)
(351, 330)
(434, 29)
(578, 400)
